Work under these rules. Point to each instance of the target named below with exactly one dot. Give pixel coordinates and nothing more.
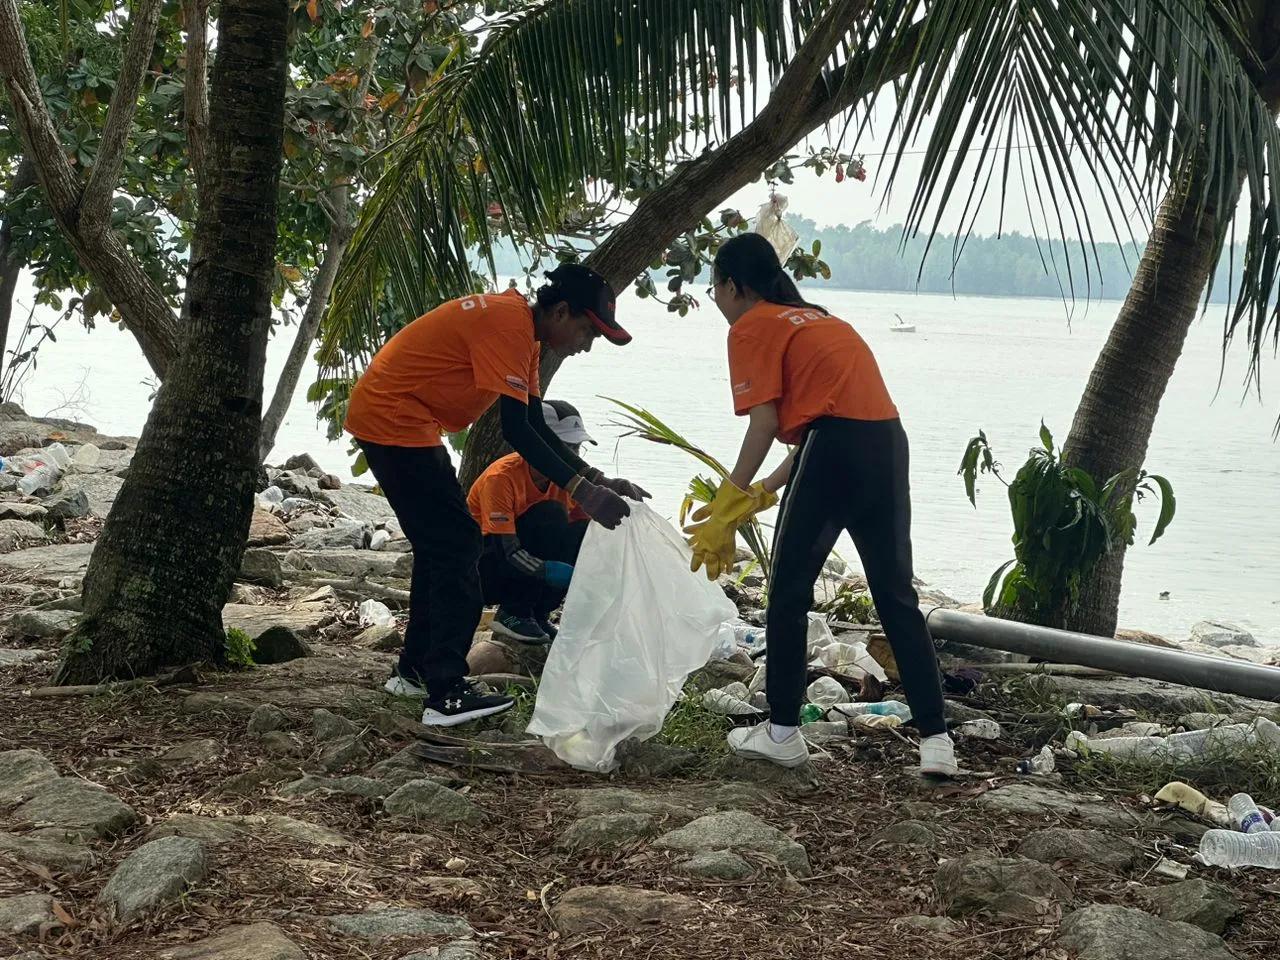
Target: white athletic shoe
(399, 686)
(938, 756)
(755, 743)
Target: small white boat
(902, 326)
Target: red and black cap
(587, 292)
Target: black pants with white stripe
(544, 532)
(444, 596)
(849, 475)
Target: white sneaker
(755, 743)
(398, 686)
(938, 756)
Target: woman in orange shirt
(807, 378)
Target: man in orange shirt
(532, 534)
(437, 376)
(805, 377)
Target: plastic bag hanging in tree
(635, 624)
(771, 226)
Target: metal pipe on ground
(1218, 674)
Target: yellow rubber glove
(712, 535)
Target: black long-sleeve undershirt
(525, 429)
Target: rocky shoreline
(294, 810)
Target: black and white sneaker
(521, 629)
(463, 704)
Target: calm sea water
(996, 364)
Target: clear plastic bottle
(1245, 815)
(1227, 848)
(43, 477)
(886, 708)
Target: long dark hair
(750, 261)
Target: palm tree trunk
(10, 264)
(1113, 423)
(172, 544)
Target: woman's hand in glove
(624, 488)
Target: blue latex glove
(557, 574)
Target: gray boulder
(25, 913)
(43, 624)
(14, 532)
(75, 811)
(326, 726)
(1082, 846)
(907, 833)
(16, 658)
(155, 873)
(343, 535)
(279, 643)
(259, 565)
(16, 510)
(1023, 800)
(383, 922)
(738, 831)
(606, 831)
(384, 638)
(192, 753)
(258, 941)
(589, 909)
(21, 772)
(68, 504)
(1118, 933)
(52, 854)
(352, 786)
(432, 802)
(1218, 633)
(359, 504)
(1206, 905)
(979, 883)
(715, 865)
(266, 718)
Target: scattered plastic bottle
(272, 495)
(44, 477)
(58, 454)
(1227, 848)
(1040, 765)
(810, 713)
(87, 456)
(1245, 815)
(885, 708)
(826, 692)
(983, 729)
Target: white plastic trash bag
(635, 624)
(771, 226)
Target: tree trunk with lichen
(172, 545)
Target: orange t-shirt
(505, 491)
(811, 364)
(444, 369)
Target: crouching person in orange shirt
(532, 531)
(437, 376)
(807, 378)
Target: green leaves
(1063, 524)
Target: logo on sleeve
(741, 388)
(499, 517)
(519, 383)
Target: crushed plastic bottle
(1245, 815)
(810, 713)
(730, 701)
(87, 456)
(58, 454)
(1179, 746)
(272, 495)
(1227, 848)
(885, 708)
(1040, 765)
(375, 613)
(826, 692)
(42, 479)
(379, 540)
(982, 729)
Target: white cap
(565, 422)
